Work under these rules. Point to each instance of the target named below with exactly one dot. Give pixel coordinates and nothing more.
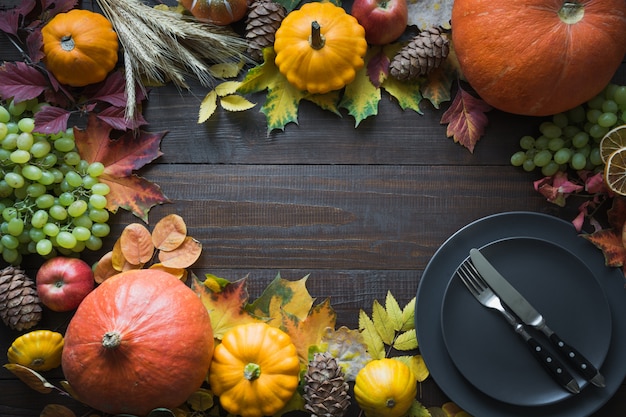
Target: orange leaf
(466, 119)
(227, 308)
(169, 233)
(183, 256)
(31, 378)
(136, 244)
(121, 157)
(610, 242)
(104, 268)
(309, 332)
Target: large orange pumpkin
(538, 57)
(139, 341)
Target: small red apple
(63, 282)
(383, 20)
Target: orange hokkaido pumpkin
(139, 341)
(538, 57)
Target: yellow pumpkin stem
(251, 371)
(316, 40)
(111, 340)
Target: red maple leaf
(121, 158)
(466, 119)
(612, 241)
(378, 68)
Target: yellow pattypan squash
(319, 47)
(255, 370)
(385, 388)
(39, 350)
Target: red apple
(383, 20)
(63, 282)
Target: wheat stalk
(162, 46)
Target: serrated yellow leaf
(393, 311)
(207, 107)
(227, 87)
(235, 102)
(383, 325)
(406, 341)
(408, 316)
(372, 339)
(416, 364)
(226, 69)
(361, 97)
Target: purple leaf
(9, 21)
(114, 117)
(21, 81)
(34, 42)
(112, 90)
(54, 7)
(51, 120)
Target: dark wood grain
(359, 210)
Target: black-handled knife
(527, 313)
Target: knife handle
(553, 365)
(581, 363)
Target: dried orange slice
(614, 139)
(615, 171)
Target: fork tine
(468, 279)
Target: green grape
(541, 142)
(610, 106)
(4, 130)
(44, 247)
(580, 139)
(66, 239)
(58, 175)
(71, 158)
(542, 158)
(44, 201)
(15, 226)
(550, 169)
(17, 109)
(607, 119)
(25, 141)
(562, 156)
(47, 178)
(82, 166)
(100, 229)
(64, 144)
(550, 130)
(5, 116)
(83, 220)
(48, 161)
(35, 234)
(32, 172)
(555, 144)
(9, 242)
(40, 149)
(98, 201)
(593, 114)
(517, 159)
(74, 179)
(22, 192)
(78, 208)
(619, 96)
(577, 115)
(20, 156)
(81, 233)
(39, 219)
(66, 198)
(12, 127)
(5, 189)
(11, 256)
(98, 215)
(100, 189)
(95, 169)
(596, 102)
(93, 243)
(57, 212)
(35, 190)
(597, 131)
(14, 180)
(579, 161)
(10, 141)
(51, 229)
(89, 181)
(594, 157)
(528, 165)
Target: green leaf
(361, 97)
(372, 339)
(406, 341)
(407, 93)
(208, 106)
(394, 312)
(408, 316)
(383, 325)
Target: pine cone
(425, 52)
(262, 22)
(326, 390)
(20, 308)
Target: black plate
(432, 288)
(486, 349)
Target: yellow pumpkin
(319, 47)
(39, 350)
(385, 388)
(255, 370)
(80, 47)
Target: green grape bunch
(571, 140)
(51, 200)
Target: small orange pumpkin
(218, 12)
(139, 341)
(538, 57)
(80, 47)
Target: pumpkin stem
(390, 403)
(571, 12)
(67, 43)
(251, 371)
(111, 340)
(316, 40)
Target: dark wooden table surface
(360, 210)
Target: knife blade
(529, 315)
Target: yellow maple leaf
(286, 295)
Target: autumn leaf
(121, 157)
(289, 296)
(466, 119)
(21, 81)
(136, 244)
(201, 400)
(436, 87)
(309, 332)
(610, 242)
(169, 232)
(31, 378)
(361, 97)
(378, 66)
(373, 341)
(348, 347)
(183, 256)
(226, 308)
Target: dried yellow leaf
(383, 325)
(207, 106)
(406, 341)
(226, 69)
(227, 87)
(104, 268)
(136, 244)
(31, 378)
(183, 256)
(373, 341)
(394, 312)
(169, 233)
(235, 102)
